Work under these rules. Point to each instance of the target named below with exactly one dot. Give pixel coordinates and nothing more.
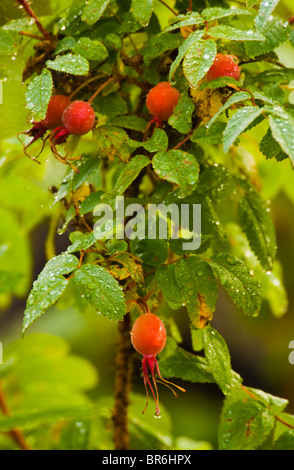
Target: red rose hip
(78, 118)
(224, 66)
(162, 100)
(56, 107)
(148, 337)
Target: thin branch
(30, 12)
(86, 83)
(15, 434)
(104, 85)
(122, 385)
(170, 8)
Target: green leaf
(110, 106)
(65, 44)
(180, 21)
(284, 432)
(198, 288)
(219, 82)
(186, 366)
(275, 33)
(81, 241)
(216, 13)
(234, 99)
(240, 284)
(245, 422)
(190, 42)
(157, 45)
(113, 141)
(142, 10)
(87, 169)
(265, 10)
(89, 204)
(274, 291)
(48, 288)
(181, 119)
(198, 61)
(127, 176)
(272, 288)
(91, 50)
(166, 278)
(151, 252)
(93, 11)
(131, 265)
(130, 122)
(158, 142)
(39, 94)
(73, 64)
(239, 123)
(178, 167)
(214, 135)
(101, 290)
(6, 43)
(257, 224)
(218, 358)
(233, 34)
(216, 182)
(270, 147)
(282, 131)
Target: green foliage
(211, 152)
(39, 94)
(101, 290)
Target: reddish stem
(15, 434)
(190, 5)
(170, 8)
(32, 14)
(104, 85)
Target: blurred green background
(259, 347)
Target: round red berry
(56, 107)
(148, 335)
(224, 66)
(162, 100)
(79, 118)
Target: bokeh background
(259, 347)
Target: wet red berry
(148, 335)
(224, 66)
(162, 100)
(79, 118)
(56, 107)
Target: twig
(86, 83)
(170, 8)
(24, 4)
(31, 35)
(122, 385)
(15, 434)
(104, 85)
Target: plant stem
(170, 8)
(104, 85)
(15, 434)
(122, 385)
(32, 14)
